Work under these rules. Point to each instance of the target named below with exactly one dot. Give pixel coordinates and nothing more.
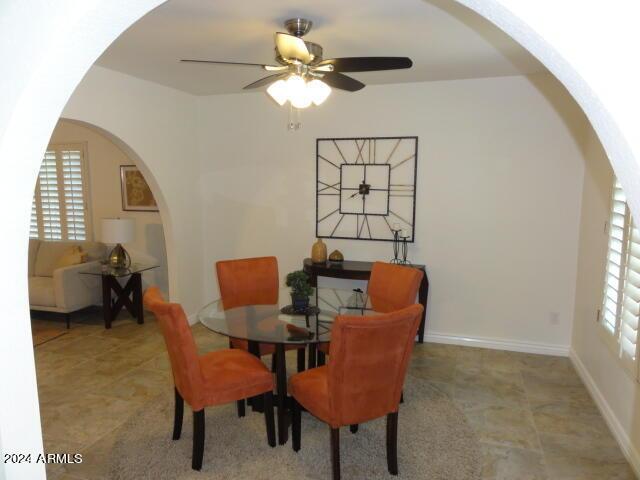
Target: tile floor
(534, 418)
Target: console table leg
(423, 295)
(106, 300)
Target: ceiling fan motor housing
(298, 26)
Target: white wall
(103, 159)
(614, 389)
(154, 126)
(498, 195)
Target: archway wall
(589, 47)
(156, 125)
(49, 46)
(105, 154)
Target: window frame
(58, 148)
(613, 339)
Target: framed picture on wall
(136, 194)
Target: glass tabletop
(105, 269)
(266, 323)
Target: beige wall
(103, 160)
(154, 125)
(498, 197)
(614, 389)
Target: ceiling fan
(303, 77)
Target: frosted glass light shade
(298, 94)
(279, 92)
(318, 91)
(118, 230)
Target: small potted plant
(300, 290)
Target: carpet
(43, 331)
(434, 442)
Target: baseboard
(499, 344)
(632, 455)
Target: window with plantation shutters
(621, 302)
(59, 209)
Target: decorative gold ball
(336, 256)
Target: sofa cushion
(72, 256)
(50, 252)
(41, 292)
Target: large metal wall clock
(366, 187)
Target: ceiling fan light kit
(302, 77)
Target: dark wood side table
(129, 296)
(356, 270)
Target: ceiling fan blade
(270, 68)
(367, 64)
(342, 82)
(291, 47)
(266, 81)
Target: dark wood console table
(355, 270)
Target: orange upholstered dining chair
(363, 379)
(251, 281)
(218, 377)
(391, 287)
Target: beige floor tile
(139, 385)
(503, 463)
(504, 426)
(569, 419)
(86, 418)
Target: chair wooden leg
(321, 358)
(273, 362)
(240, 408)
(67, 317)
(198, 440)
(353, 428)
(301, 359)
(402, 397)
(269, 420)
(335, 453)
(392, 443)
(296, 425)
(178, 414)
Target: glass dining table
(268, 324)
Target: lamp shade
(118, 230)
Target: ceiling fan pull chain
(294, 119)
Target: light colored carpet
(434, 442)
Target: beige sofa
(63, 290)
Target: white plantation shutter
(49, 198)
(59, 210)
(614, 276)
(631, 299)
(621, 302)
(74, 195)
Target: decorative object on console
(336, 256)
(136, 194)
(118, 231)
(319, 251)
(400, 245)
(300, 290)
(364, 185)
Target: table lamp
(118, 231)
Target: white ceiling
(445, 41)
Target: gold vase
(319, 252)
